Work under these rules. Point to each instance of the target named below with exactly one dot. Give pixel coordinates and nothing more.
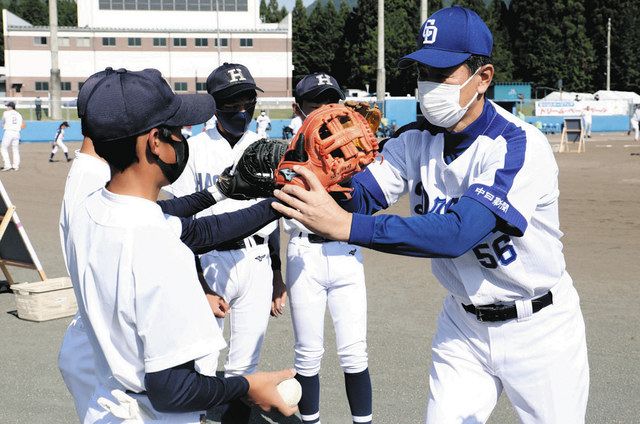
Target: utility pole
(608, 54)
(55, 109)
(218, 30)
(424, 10)
(380, 86)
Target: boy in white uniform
(323, 272)
(263, 124)
(149, 325)
(59, 142)
(12, 123)
(483, 191)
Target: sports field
(600, 216)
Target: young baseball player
(635, 118)
(240, 272)
(58, 141)
(483, 192)
(263, 124)
(154, 349)
(320, 272)
(587, 119)
(12, 124)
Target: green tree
(402, 24)
(67, 13)
(477, 6)
(361, 45)
(264, 11)
(502, 57)
(34, 11)
(338, 66)
(301, 35)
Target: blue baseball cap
(315, 84)
(121, 103)
(229, 80)
(449, 37)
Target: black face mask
(172, 171)
(235, 123)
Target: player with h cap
(323, 272)
(153, 334)
(483, 193)
(241, 272)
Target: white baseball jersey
(263, 122)
(76, 359)
(209, 155)
(511, 170)
(137, 287)
(295, 124)
(636, 115)
(587, 116)
(11, 121)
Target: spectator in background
(38, 103)
(586, 121)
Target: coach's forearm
(182, 389)
(366, 195)
(431, 235)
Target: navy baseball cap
(124, 103)
(315, 84)
(230, 79)
(449, 37)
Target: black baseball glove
(253, 176)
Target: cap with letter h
(115, 104)
(449, 37)
(313, 85)
(230, 79)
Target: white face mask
(440, 102)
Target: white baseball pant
(636, 129)
(245, 280)
(59, 143)
(540, 362)
(327, 273)
(10, 138)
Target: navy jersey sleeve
(431, 235)
(182, 389)
(189, 205)
(202, 235)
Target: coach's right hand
(264, 394)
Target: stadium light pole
(380, 85)
(55, 108)
(608, 54)
(424, 10)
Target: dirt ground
(599, 208)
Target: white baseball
(290, 391)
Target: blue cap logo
(459, 33)
(430, 32)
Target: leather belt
(314, 238)
(497, 312)
(240, 244)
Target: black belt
(314, 238)
(492, 313)
(240, 244)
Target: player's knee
(308, 360)
(353, 358)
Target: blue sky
(290, 3)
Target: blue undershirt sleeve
(367, 196)
(202, 235)
(431, 235)
(182, 389)
(189, 205)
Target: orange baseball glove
(334, 142)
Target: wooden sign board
(572, 132)
(15, 247)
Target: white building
(184, 39)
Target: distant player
(483, 194)
(58, 141)
(296, 122)
(155, 340)
(12, 123)
(323, 272)
(263, 124)
(635, 118)
(587, 117)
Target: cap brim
(235, 90)
(194, 109)
(433, 57)
(322, 89)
